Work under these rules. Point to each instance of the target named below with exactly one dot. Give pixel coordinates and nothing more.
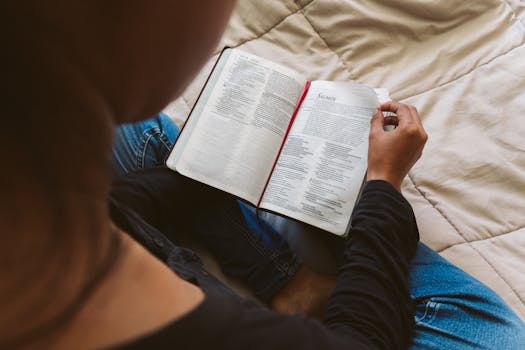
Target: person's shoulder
(230, 322)
(199, 329)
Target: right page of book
(320, 171)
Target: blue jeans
(246, 247)
(453, 309)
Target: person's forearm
(372, 300)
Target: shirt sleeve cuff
(386, 187)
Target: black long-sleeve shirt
(370, 308)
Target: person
(86, 260)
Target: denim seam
(165, 140)
(144, 141)
(253, 242)
(286, 270)
(431, 309)
(283, 268)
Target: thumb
(377, 122)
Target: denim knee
(456, 311)
(143, 145)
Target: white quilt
(462, 63)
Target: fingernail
(376, 113)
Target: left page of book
(233, 135)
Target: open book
(265, 134)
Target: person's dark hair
(50, 261)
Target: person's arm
(372, 294)
(370, 309)
(371, 306)
(371, 303)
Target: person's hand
(391, 154)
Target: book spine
(301, 100)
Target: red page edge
(301, 100)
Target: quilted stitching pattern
(461, 63)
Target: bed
(462, 63)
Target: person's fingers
(391, 120)
(419, 123)
(415, 115)
(401, 110)
(377, 122)
(391, 106)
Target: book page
(321, 168)
(238, 124)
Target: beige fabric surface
(463, 65)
